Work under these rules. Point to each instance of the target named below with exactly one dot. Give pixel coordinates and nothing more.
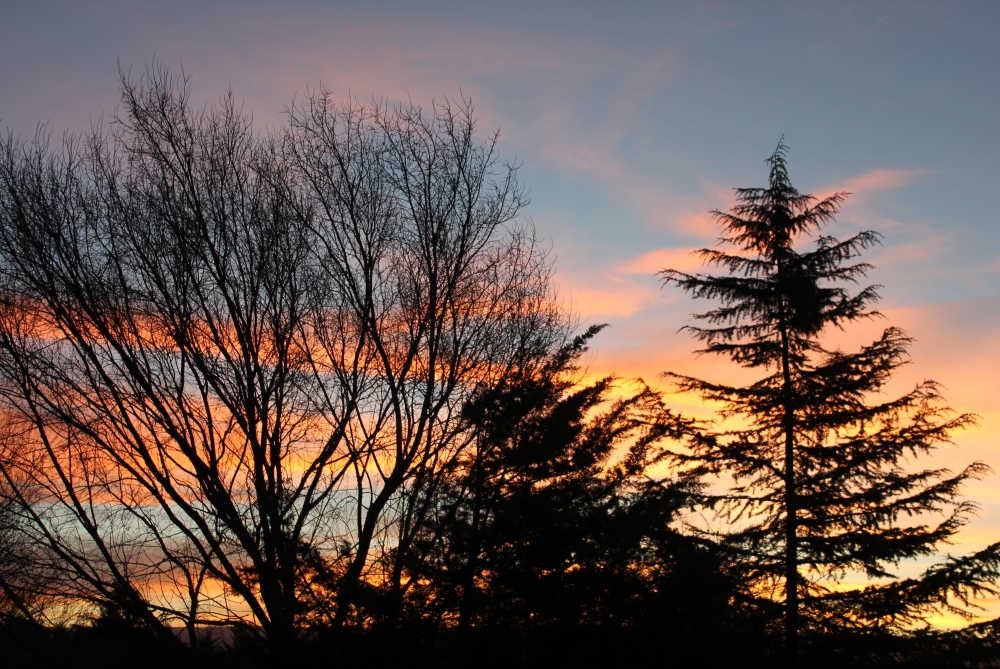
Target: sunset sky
(632, 120)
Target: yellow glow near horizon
(955, 344)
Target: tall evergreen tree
(820, 486)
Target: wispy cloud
(683, 259)
(863, 185)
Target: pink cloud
(877, 180)
(931, 244)
(611, 298)
(684, 259)
(628, 287)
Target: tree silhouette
(555, 532)
(313, 390)
(820, 485)
(224, 356)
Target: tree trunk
(791, 538)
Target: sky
(631, 121)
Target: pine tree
(555, 531)
(820, 486)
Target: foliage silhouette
(820, 485)
(555, 530)
(311, 394)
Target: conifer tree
(555, 533)
(820, 488)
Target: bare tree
(441, 297)
(226, 356)
(20, 596)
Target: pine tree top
(770, 284)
